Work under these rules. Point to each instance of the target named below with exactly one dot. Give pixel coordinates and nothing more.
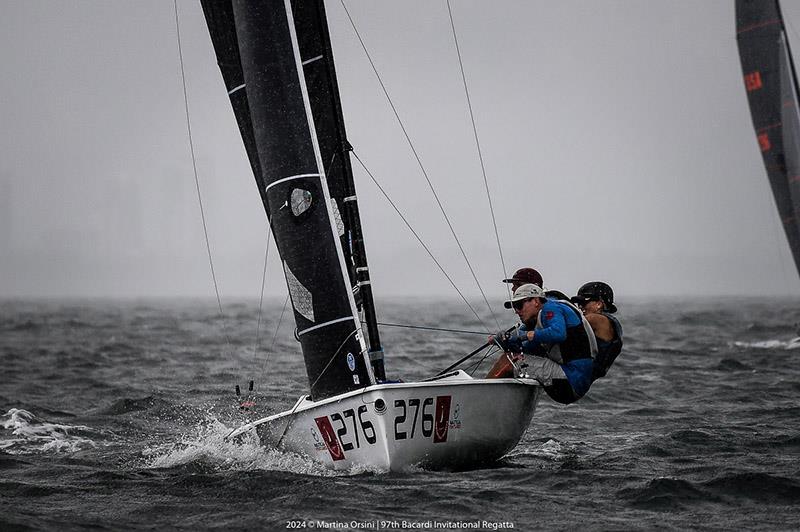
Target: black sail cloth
(286, 108)
(771, 84)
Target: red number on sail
(442, 418)
(329, 437)
(763, 141)
(752, 81)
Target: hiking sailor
(529, 275)
(596, 299)
(524, 276)
(558, 336)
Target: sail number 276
(403, 416)
(413, 418)
(367, 429)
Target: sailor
(529, 275)
(524, 276)
(596, 299)
(559, 338)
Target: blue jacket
(556, 319)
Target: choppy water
(112, 416)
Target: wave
(731, 364)
(209, 449)
(22, 489)
(27, 325)
(761, 487)
(126, 405)
(794, 343)
(779, 327)
(552, 450)
(699, 437)
(32, 434)
(664, 493)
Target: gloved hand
(510, 341)
(515, 339)
(500, 337)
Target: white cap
(526, 291)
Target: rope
(478, 145)
(197, 182)
(430, 254)
(421, 167)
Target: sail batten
(772, 93)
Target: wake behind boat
(277, 64)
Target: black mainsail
(277, 64)
(772, 92)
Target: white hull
(452, 422)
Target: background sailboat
(772, 92)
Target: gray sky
(616, 136)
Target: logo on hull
(442, 419)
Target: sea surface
(112, 417)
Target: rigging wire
(197, 181)
(419, 162)
(419, 239)
(338, 349)
(475, 366)
(275, 335)
(424, 328)
(261, 300)
(478, 146)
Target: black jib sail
(771, 83)
(277, 65)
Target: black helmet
(596, 291)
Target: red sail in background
(771, 84)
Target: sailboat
(770, 80)
(277, 64)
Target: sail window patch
(300, 201)
(301, 297)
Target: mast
(772, 94)
(298, 159)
